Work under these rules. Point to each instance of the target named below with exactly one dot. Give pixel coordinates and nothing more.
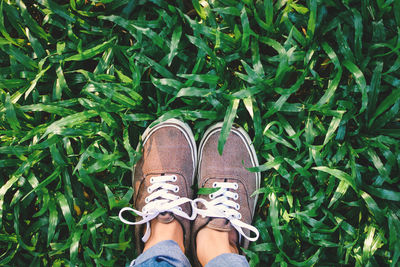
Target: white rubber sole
(245, 138)
(184, 128)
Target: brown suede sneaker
(163, 178)
(231, 208)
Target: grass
(316, 84)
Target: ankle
(165, 231)
(211, 243)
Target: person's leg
(164, 246)
(224, 217)
(163, 196)
(215, 249)
(165, 231)
(212, 243)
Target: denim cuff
(228, 259)
(167, 251)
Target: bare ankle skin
(211, 243)
(165, 231)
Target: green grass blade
(91, 52)
(11, 116)
(342, 176)
(228, 121)
(361, 83)
(385, 104)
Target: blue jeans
(168, 253)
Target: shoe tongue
(165, 217)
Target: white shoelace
(222, 205)
(160, 200)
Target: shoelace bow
(160, 200)
(222, 205)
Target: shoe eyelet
(176, 189)
(177, 197)
(236, 196)
(214, 185)
(237, 207)
(174, 178)
(236, 186)
(211, 196)
(149, 190)
(239, 216)
(179, 208)
(152, 180)
(146, 200)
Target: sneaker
(231, 207)
(163, 178)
